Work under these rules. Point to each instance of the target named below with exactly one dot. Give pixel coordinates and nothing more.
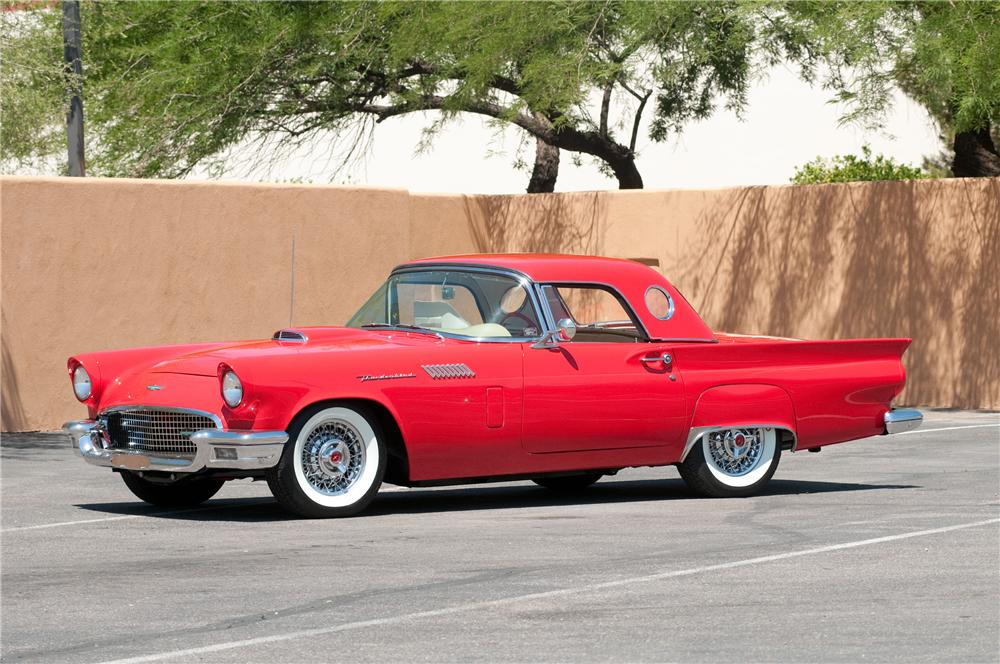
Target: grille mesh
(155, 430)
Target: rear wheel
(568, 482)
(731, 463)
(332, 465)
(185, 492)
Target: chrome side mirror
(565, 331)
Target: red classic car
(557, 369)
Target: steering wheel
(515, 315)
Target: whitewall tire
(731, 463)
(333, 462)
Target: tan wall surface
(916, 259)
(92, 264)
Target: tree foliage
(851, 168)
(174, 85)
(945, 55)
(32, 85)
(169, 85)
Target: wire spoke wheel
(732, 462)
(333, 457)
(333, 463)
(735, 451)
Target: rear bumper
(215, 449)
(898, 421)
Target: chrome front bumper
(898, 421)
(215, 449)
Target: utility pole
(74, 75)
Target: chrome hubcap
(736, 451)
(333, 457)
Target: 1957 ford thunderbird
(557, 369)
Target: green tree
(171, 85)
(945, 55)
(851, 168)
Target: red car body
(525, 410)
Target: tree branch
(605, 108)
(637, 120)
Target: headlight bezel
(230, 389)
(86, 380)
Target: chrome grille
(155, 430)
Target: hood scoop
(293, 336)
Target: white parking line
(970, 426)
(517, 599)
(80, 522)
(60, 524)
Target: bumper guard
(898, 421)
(215, 449)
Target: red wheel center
(335, 457)
(739, 440)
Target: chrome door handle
(665, 358)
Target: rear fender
(745, 406)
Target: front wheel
(731, 463)
(186, 492)
(332, 465)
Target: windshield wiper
(401, 326)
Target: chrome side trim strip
(697, 432)
(898, 421)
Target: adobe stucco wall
(92, 264)
(917, 259)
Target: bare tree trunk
(975, 155)
(626, 172)
(546, 170)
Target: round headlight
(81, 383)
(232, 389)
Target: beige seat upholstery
(437, 315)
(443, 317)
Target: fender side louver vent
(439, 371)
(289, 335)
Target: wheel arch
(745, 405)
(397, 470)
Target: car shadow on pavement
(485, 497)
(476, 497)
(226, 509)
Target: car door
(608, 387)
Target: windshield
(468, 304)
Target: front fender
(741, 405)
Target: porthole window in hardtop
(659, 303)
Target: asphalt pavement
(886, 549)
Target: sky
(787, 123)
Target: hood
(205, 362)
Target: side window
(598, 313)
